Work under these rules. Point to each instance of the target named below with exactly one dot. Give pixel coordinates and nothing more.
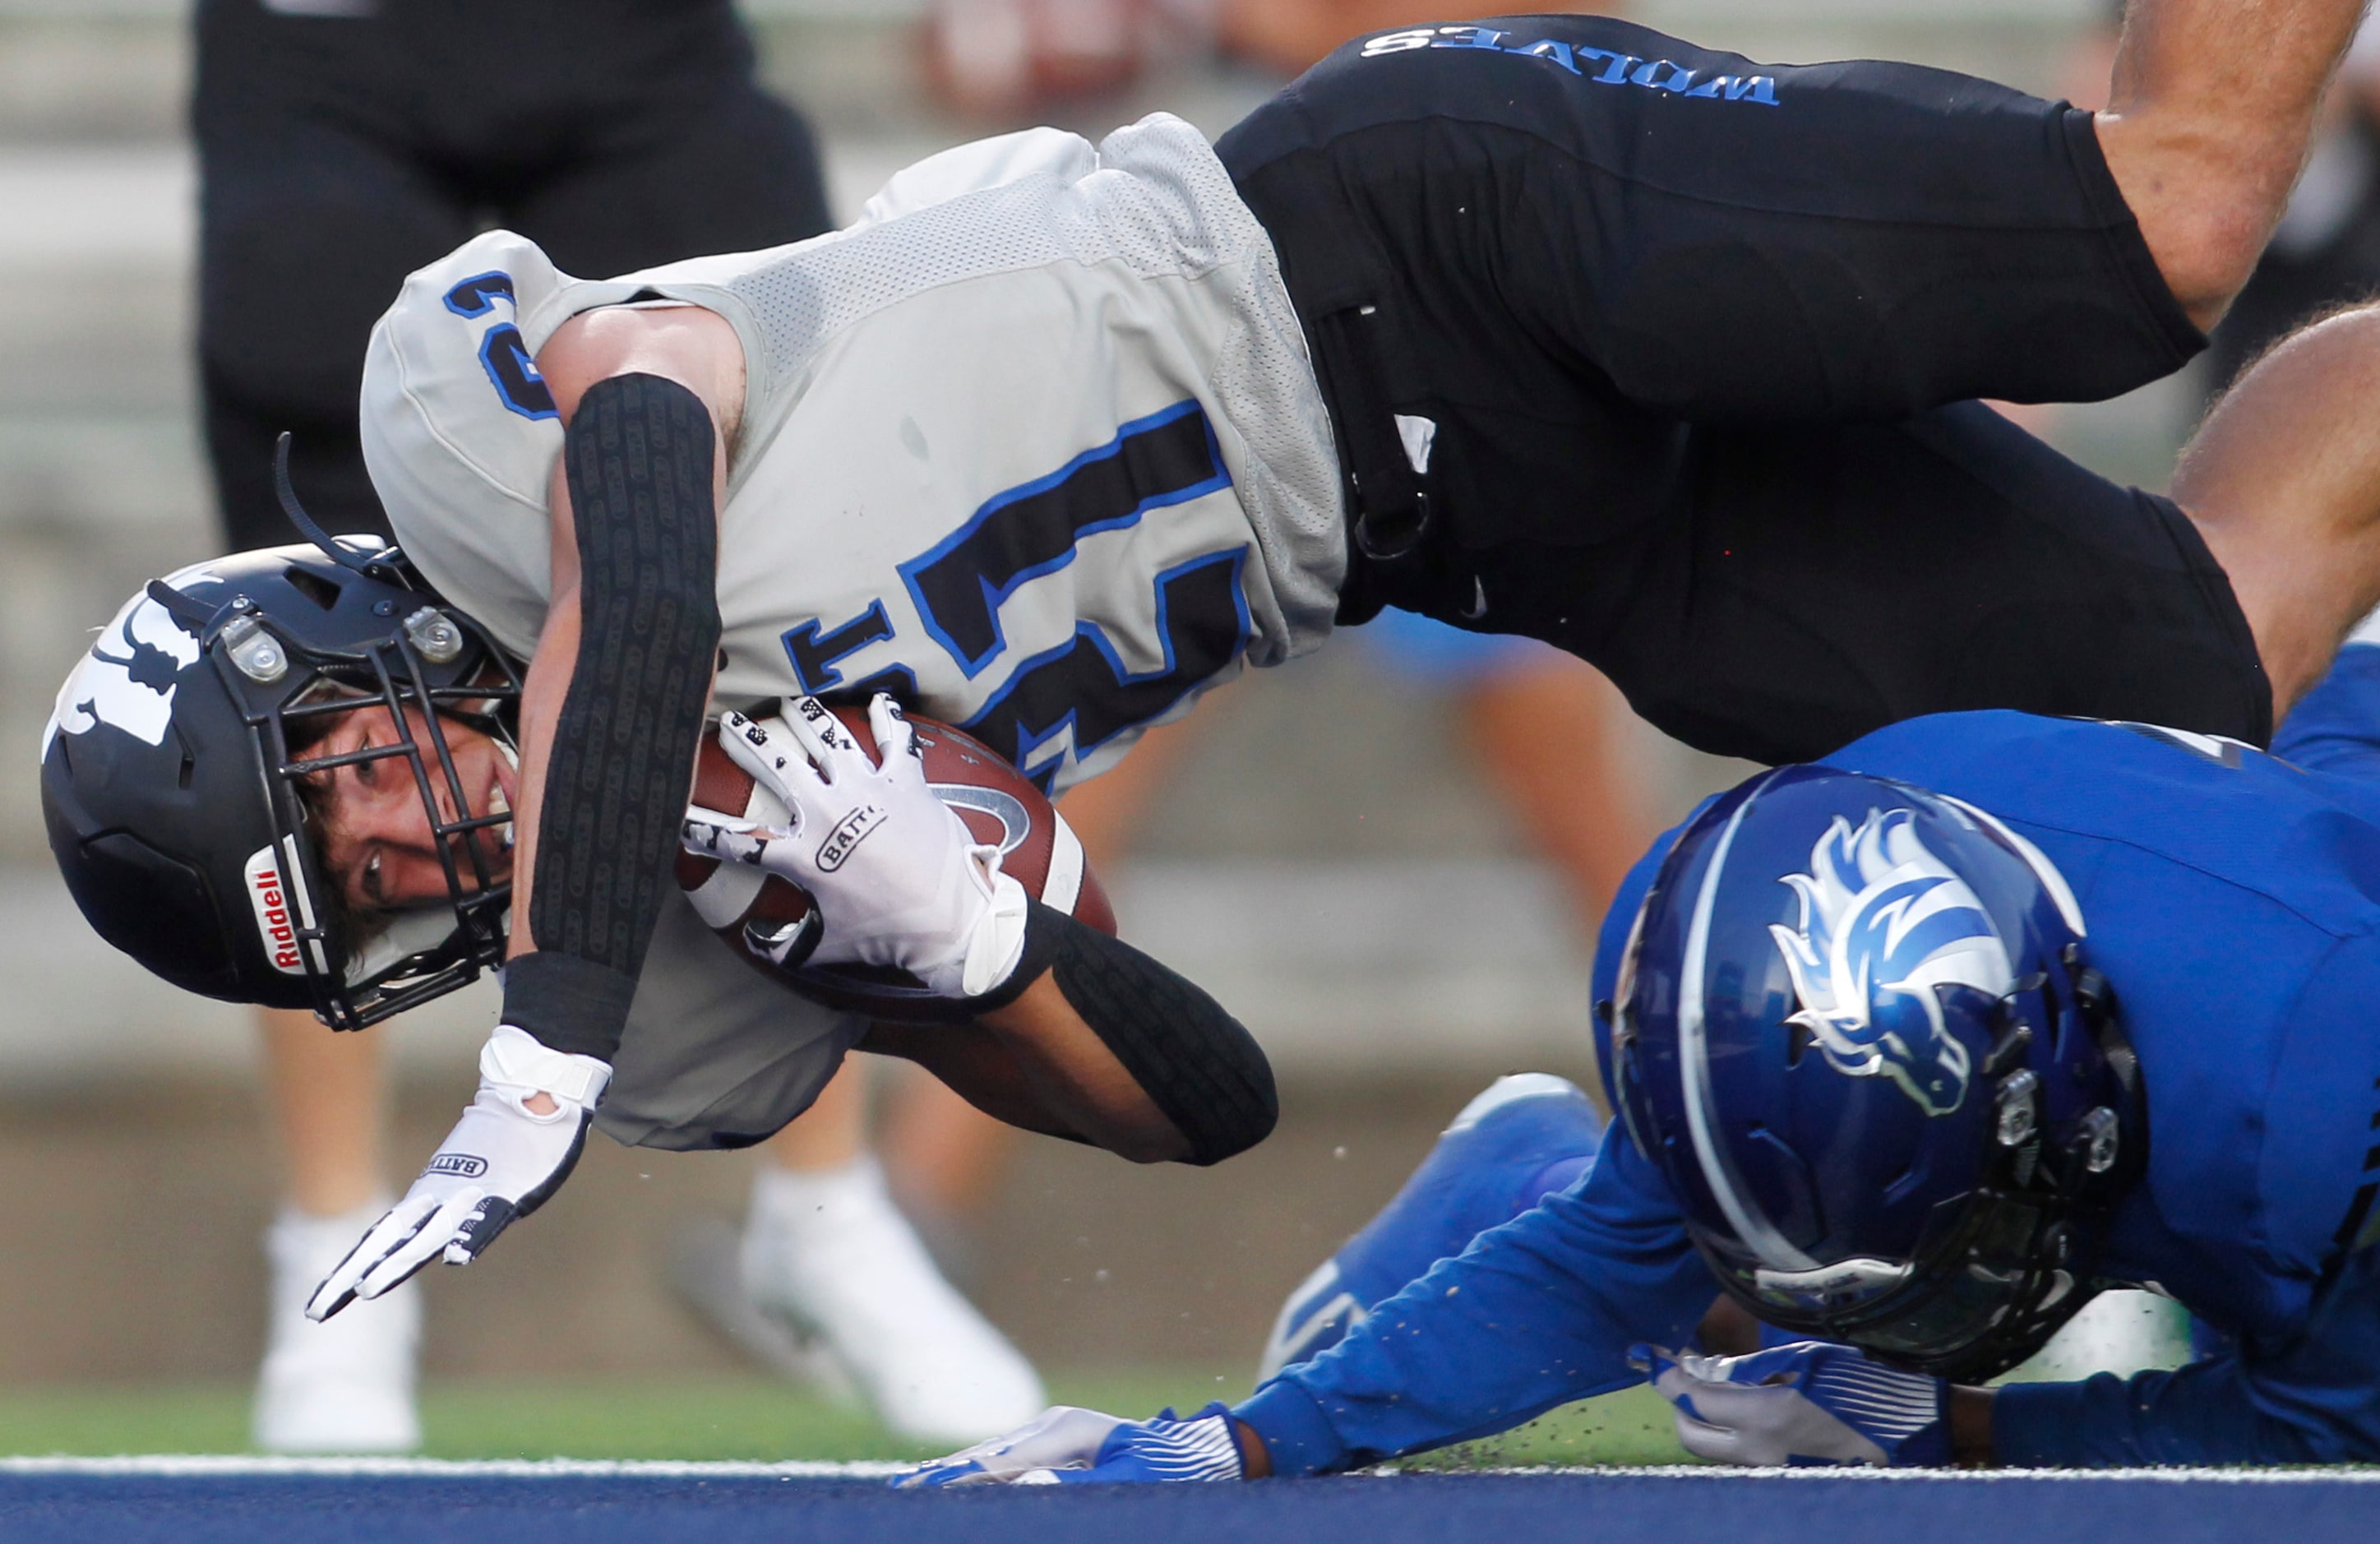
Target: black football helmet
(171, 777)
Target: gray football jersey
(1035, 442)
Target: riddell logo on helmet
(273, 922)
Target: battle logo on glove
(765, 918)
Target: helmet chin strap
(407, 933)
(510, 832)
(336, 551)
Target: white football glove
(1812, 1402)
(898, 879)
(501, 1161)
(1062, 1437)
(1067, 1446)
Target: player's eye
(371, 883)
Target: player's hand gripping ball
(845, 875)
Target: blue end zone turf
(196, 1502)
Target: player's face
(377, 840)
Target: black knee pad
(1195, 1061)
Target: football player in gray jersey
(1549, 326)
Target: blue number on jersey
(1166, 458)
(1081, 690)
(1082, 685)
(503, 354)
(816, 655)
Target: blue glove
(1806, 1403)
(1067, 1446)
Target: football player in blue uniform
(1550, 325)
(1915, 1049)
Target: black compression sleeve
(639, 460)
(1195, 1062)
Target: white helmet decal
(127, 679)
(1881, 914)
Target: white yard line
(236, 1467)
(2174, 1476)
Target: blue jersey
(2233, 897)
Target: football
(754, 913)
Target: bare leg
(825, 1251)
(830, 1134)
(2283, 481)
(1037, 1066)
(325, 1094)
(946, 1156)
(1549, 734)
(2209, 113)
(1107, 811)
(346, 1386)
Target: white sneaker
(831, 1253)
(341, 1387)
(706, 1270)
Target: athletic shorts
(715, 1055)
(338, 153)
(1691, 331)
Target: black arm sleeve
(1197, 1064)
(639, 460)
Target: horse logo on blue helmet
(1884, 925)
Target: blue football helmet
(1855, 1030)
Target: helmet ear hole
(322, 591)
(123, 884)
(1797, 1043)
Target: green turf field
(718, 1418)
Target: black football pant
(339, 153)
(1698, 338)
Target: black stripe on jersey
(1082, 685)
(1166, 458)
